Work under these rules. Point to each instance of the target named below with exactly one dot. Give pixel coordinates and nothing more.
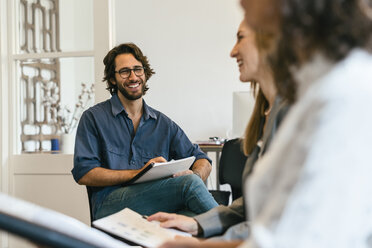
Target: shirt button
(132, 162)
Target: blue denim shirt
(105, 138)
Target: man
(119, 137)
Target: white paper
(167, 169)
(134, 227)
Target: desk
(216, 149)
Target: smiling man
(119, 137)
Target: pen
(145, 217)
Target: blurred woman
(250, 52)
(313, 188)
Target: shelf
(42, 163)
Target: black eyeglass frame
(128, 70)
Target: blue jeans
(170, 195)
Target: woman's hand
(181, 222)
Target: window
(54, 66)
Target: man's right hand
(155, 160)
(181, 222)
(102, 177)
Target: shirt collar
(148, 112)
(117, 108)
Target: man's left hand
(183, 173)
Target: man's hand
(155, 160)
(203, 168)
(102, 177)
(182, 173)
(181, 222)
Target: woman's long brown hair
(253, 132)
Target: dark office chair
(232, 164)
(89, 191)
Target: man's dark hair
(331, 27)
(109, 62)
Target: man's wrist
(197, 173)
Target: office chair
(232, 164)
(89, 191)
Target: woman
(313, 188)
(250, 52)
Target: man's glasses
(125, 73)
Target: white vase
(67, 143)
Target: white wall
(188, 44)
(243, 103)
(76, 25)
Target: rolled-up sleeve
(87, 149)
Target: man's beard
(130, 96)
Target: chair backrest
(89, 191)
(232, 164)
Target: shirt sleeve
(87, 150)
(181, 146)
(217, 220)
